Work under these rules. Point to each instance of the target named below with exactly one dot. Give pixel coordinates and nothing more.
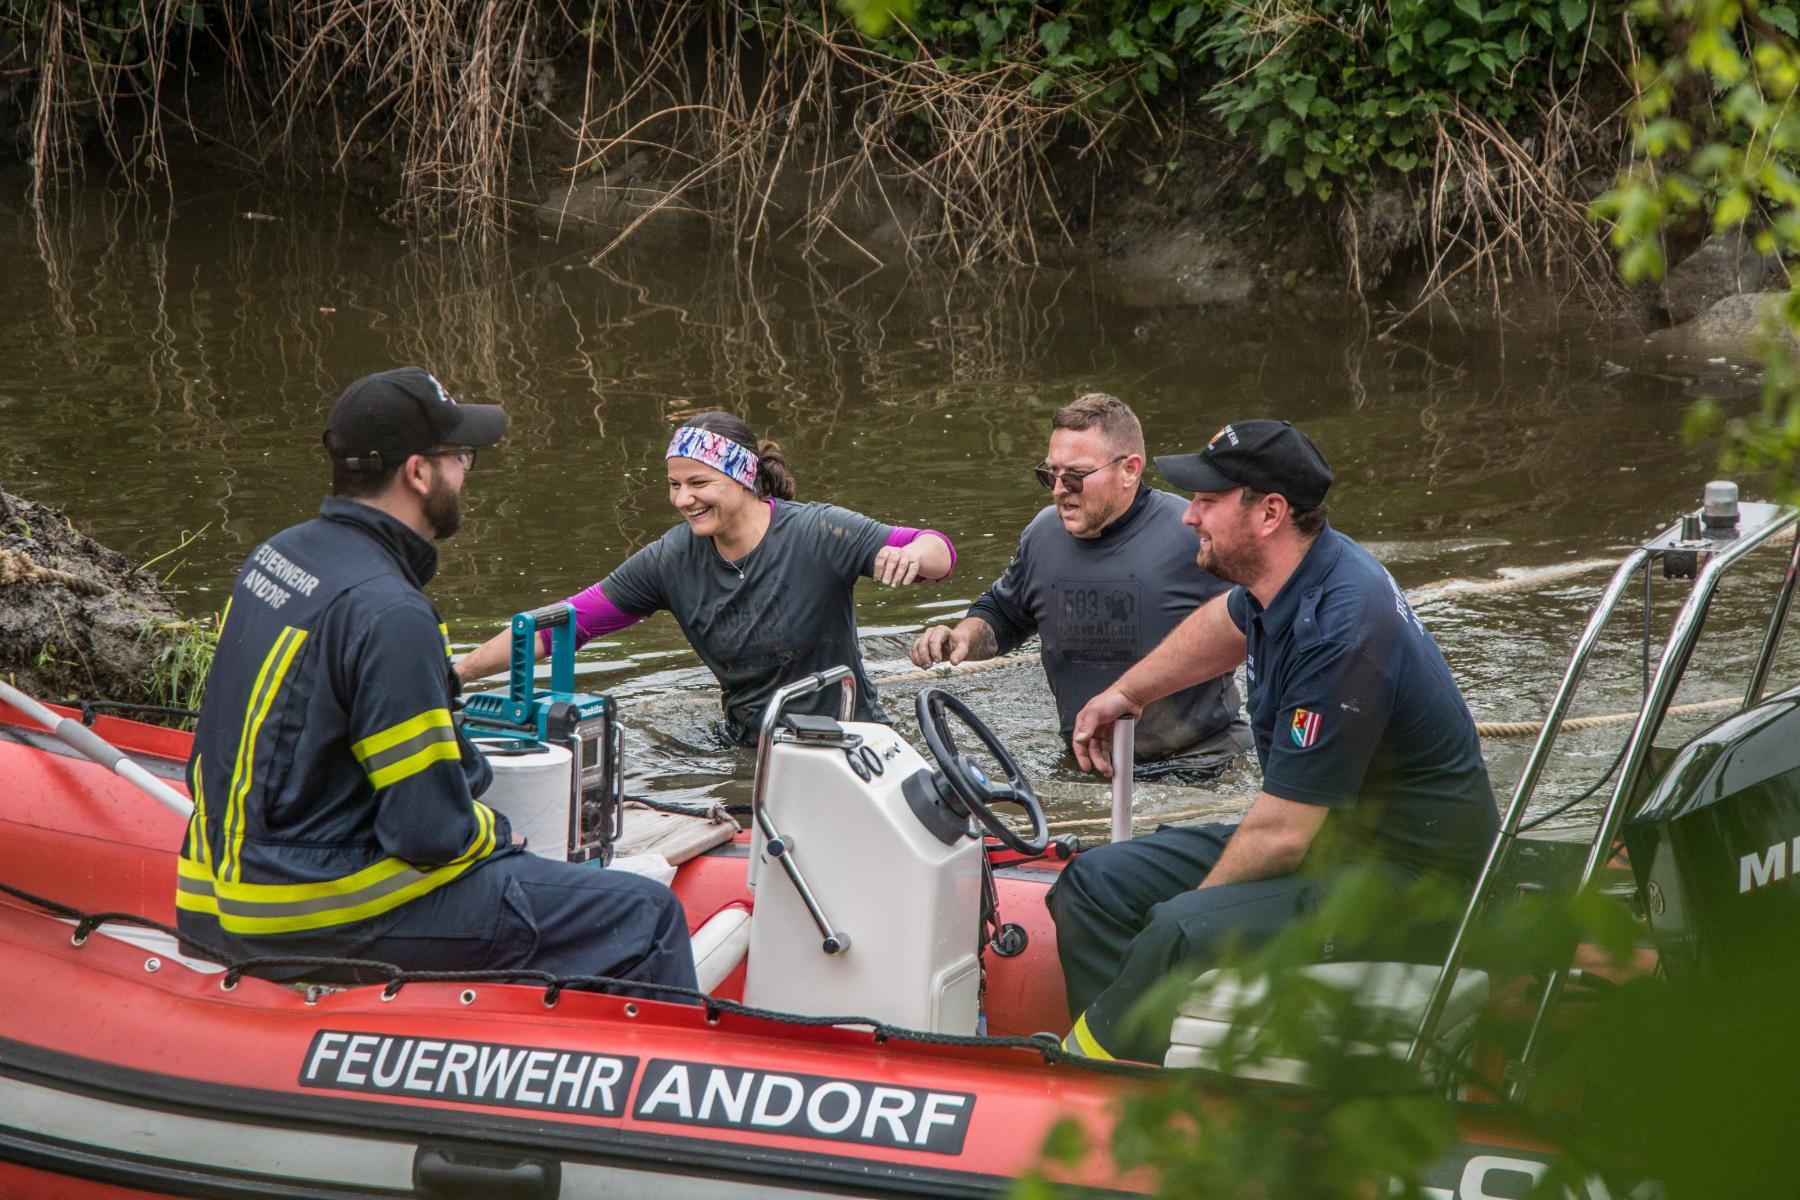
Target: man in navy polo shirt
(1368, 752)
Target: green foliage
(1717, 136)
(1647, 1078)
(112, 33)
(183, 656)
(1335, 91)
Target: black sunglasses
(1072, 480)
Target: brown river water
(165, 368)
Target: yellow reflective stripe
(296, 907)
(392, 736)
(412, 764)
(197, 844)
(1084, 1040)
(237, 770)
(274, 670)
(445, 630)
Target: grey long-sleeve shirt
(1100, 604)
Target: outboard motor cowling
(1716, 848)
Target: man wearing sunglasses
(335, 799)
(1102, 575)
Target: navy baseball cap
(382, 419)
(1265, 456)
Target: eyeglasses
(1072, 480)
(462, 454)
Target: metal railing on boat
(1683, 548)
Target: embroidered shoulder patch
(1305, 727)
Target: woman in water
(760, 584)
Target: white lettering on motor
(477, 1072)
(844, 1110)
(1771, 866)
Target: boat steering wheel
(972, 787)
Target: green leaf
(1121, 43)
(1574, 13)
(1782, 17)
(1053, 36)
(1435, 31)
(1472, 8)
(1040, 87)
(1160, 10)
(1733, 207)
(1643, 261)
(1299, 94)
(1277, 135)
(1187, 19)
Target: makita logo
(1771, 866)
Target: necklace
(737, 566)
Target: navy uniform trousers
(519, 911)
(1127, 915)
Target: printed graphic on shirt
(1305, 728)
(1098, 622)
(751, 628)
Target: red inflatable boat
(129, 1068)
(869, 1000)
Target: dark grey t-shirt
(1101, 604)
(791, 613)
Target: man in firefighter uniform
(335, 810)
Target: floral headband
(716, 451)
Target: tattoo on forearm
(982, 643)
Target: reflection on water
(166, 368)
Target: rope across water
(1424, 594)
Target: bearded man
(1102, 574)
(335, 811)
(1368, 752)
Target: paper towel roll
(532, 789)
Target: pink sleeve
(594, 615)
(905, 535)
